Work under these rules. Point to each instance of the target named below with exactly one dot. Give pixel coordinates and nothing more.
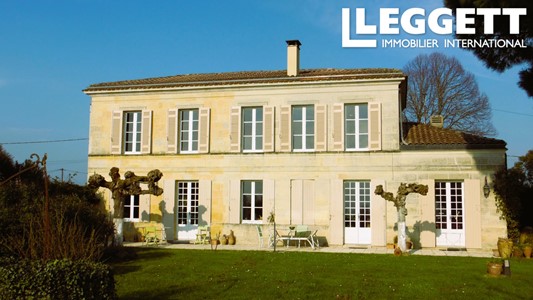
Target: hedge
(56, 279)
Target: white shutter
(374, 143)
(235, 202)
(116, 132)
(146, 133)
(204, 202)
(203, 128)
(268, 129)
(172, 131)
(285, 129)
(336, 223)
(472, 212)
(338, 127)
(169, 201)
(235, 129)
(378, 215)
(268, 198)
(427, 216)
(144, 207)
(320, 127)
(297, 201)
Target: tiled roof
(245, 77)
(426, 136)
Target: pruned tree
(399, 203)
(439, 85)
(502, 58)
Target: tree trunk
(402, 236)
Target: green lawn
(206, 274)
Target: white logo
(439, 21)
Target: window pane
(297, 113)
(247, 143)
(247, 187)
(246, 213)
(363, 126)
(247, 129)
(349, 111)
(363, 141)
(310, 112)
(363, 111)
(246, 200)
(258, 187)
(310, 142)
(259, 114)
(247, 114)
(297, 143)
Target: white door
(449, 214)
(357, 212)
(187, 209)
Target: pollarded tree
(438, 85)
(502, 58)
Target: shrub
(55, 279)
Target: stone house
(309, 145)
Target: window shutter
(235, 129)
(116, 132)
(320, 127)
(336, 227)
(268, 199)
(374, 126)
(268, 129)
(285, 129)
(204, 202)
(427, 228)
(144, 208)
(235, 202)
(146, 132)
(472, 193)
(172, 131)
(378, 215)
(203, 128)
(338, 127)
(167, 207)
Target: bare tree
(438, 85)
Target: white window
(252, 201)
(131, 208)
(132, 132)
(252, 129)
(188, 130)
(449, 205)
(187, 202)
(303, 128)
(356, 126)
(357, 204)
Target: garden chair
(150, 236)
(260, 235)
(203, 235)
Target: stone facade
(301, 187)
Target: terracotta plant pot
(231, 238)
(505, 247)
(494, 268)
(527, 251)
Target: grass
(205, 274)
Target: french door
(357, 212)
(187, 209)
(449, 213)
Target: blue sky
(51, 50)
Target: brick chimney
(293, 57)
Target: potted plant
(495, 267)
(517, 251)
(505, 247)
(527, 248)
